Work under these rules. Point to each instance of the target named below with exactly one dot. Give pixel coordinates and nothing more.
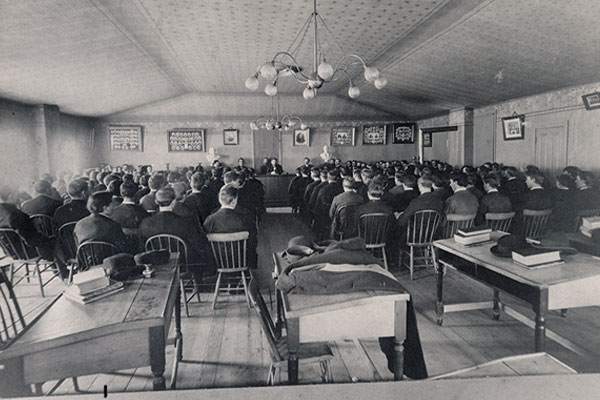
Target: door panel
(266, 145)
(551, 149)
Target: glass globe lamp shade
(325, 71)
(353, 92)
(271, 90)
(269, 126)
(380, 83)
(291, 123)
(252, 83)
(309, 93)
(268, 71)
(278, 125)
(253, 126)
(303, 126)
(371, 74)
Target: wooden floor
(226, 348)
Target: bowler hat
(121, 267)
(506, 245)
(153, 257)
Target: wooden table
(126, 330)
(318, 318)
(573, 284)
(276, 189)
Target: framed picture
(403, 134)
(342, 136)
(374, 134)
(186, 140)
(231, 137)
(302, 137)
(591, 100)
(427, 139)
(128, 138)
(513, 127)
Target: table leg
(399, 338)
(439, 306)
(496, 310)
(293, 339)
(157, 357)
(540, 330)
(178, 333)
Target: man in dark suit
(343, 208)
(264, 168)
(257, 192)
(537, 198)
(315, 193)
(426, 200)
(274, 168)
(472, 180)
(366, 176)
(155, 182)
(199, 255)
(43, 203)
(297, 187)
(128, 214)
(440, 187)
(403, 199)
(199, 200)
(587, 197)
(76, 209)
(493, 201)
(462, 201)
(323, 203)
(514, 188)
(230, 218)
(349, 197)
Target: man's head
(533, 179)
(43, 187)
(315, 173)
(424, 184)
(584, 179)
(265, 160)
(306, 161)
(408, 181)
(228, 196)
(230, 177)
(491, 182)
(241, 162)
(323, 175)
(128, 190)
(155, 182)
(78, 189)
(165, 198)
(332, 176)
(114, 187)
(375, 191)
(348, 185)
(98, 202)
(458, 180)
(273, 161)
(173, 177)
(366, 175)
(197, 181)
(180, 189)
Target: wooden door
(551, 148)
(439, 147)
(484, 127)
(267, 144)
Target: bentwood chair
(499, 221)
(229, 250)
(68, 245)
(44, 225)
(23, 255)
(93, 253)
(174, 244)
(308, 353)
(373, 228)
(534, 223)
(13, 325)
(419, 238)
(338, 223)
(454, 222)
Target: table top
(296, 305)
(576, 266)
(143, 303)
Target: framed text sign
(127, 138)
(404, 134)
(374, 134)
(342, 136)
(186, 140)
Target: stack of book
(535, 257)
(588, 224)
(472, 236)
(91, 285)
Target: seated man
(154, 183)
(349, 199)
(98, 227)
(128, 214)
(229, 218)
(493, 201)
(297, 187)
(514, 187)
(43, 203)
(323, 203)
(427, 200)
(76, 209)
(274, 168)
(537, 198)
(199, 256)
(462, 201)
(264, 168)
(586, 197)
(403, 199)
(199, 200)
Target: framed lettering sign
(403, 134)
(342, 136)
(186, 139)
(374, 134)
(128, 138)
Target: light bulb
(353, 92)
(271, 89)
(371, 73)
(268, 71)
(309, 93)
(325, 71)
(253, 126)
(286, 127)
(292, 123)
(303, 126)
(380, 82)
(252, 83)
(269, 126)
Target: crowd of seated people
(124, 206)
(337, 194)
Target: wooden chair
(308, 353)
(93, 253)
(68, 244)
(337, 226)
(229, 250)
(499, 221)
(13, 323)
(21, 253)
(419, 238)
(454, 222)
(44, 225)
(174, 244)
(373, 228)
(534, 223)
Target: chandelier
(284, 64)
(286, 122)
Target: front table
(318, 318)
(125, 330)
(575, 283)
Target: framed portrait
(513, 128)
(128, 138)
(231, 137)
(302, 137)
(403, 134)
(374, 134)
(186, 140)
(342, 136)
(427, 139)
(591, 101)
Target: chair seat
(308, 353)
(231, 270)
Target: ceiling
(190, 57)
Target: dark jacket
(537, 199)
(493, 202)
(12, 217)
(425, 201)
(586, 199)
(98, 227)
(345, 199)
(41, 204)
(147, 202)
(315, 193)
(129, 215)
(308, 191)
(403, 199)
(515, 190)
(443, 193)
(462, 202)
(200, 203)
(70, 212)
